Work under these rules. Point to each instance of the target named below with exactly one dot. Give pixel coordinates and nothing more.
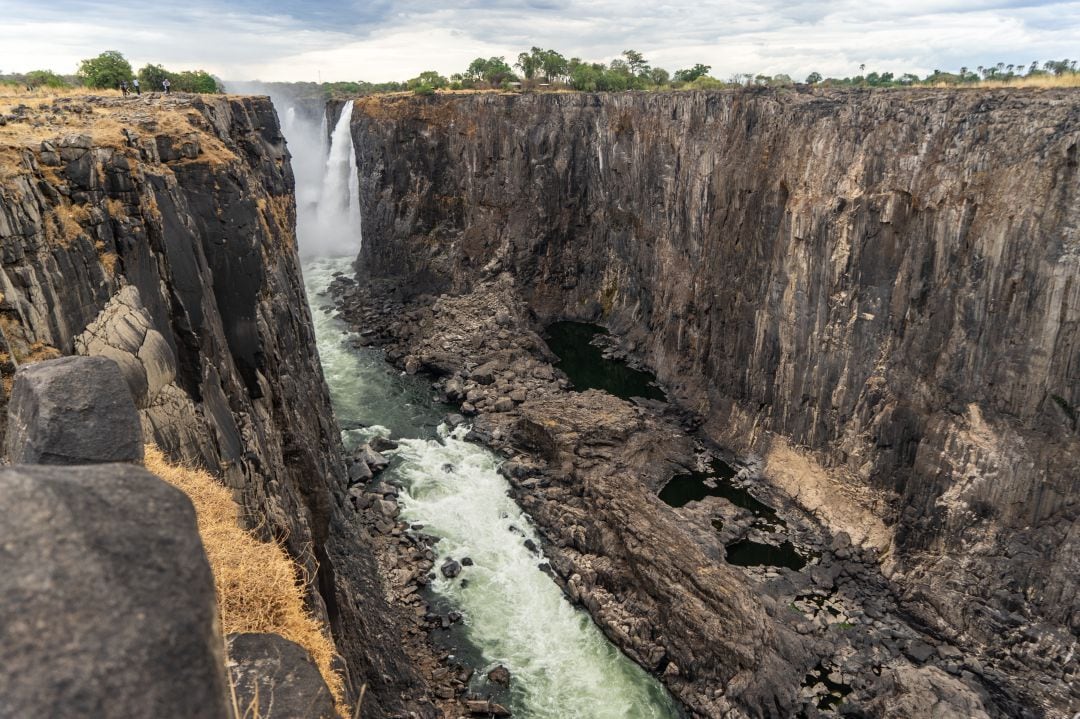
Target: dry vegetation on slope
(257, 585)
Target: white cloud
(383, 40)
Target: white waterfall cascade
(328, 208)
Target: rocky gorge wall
(887, 281)
(160, 232)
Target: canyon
(160, 233)
(866, 304)
(874, 295)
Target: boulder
(504, 404)
(499, 675)
(486, 373)
(373, 459)
(484, 707)
(450, 568)
(359, 472)
(382, 444)
(275, 678)
(72, 410)
(107, 605)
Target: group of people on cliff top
(125, 90)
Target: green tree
(586, 76)
(636, 61)
(496, 71)
(430, 78)
(659, 76)
(813, 78)
(196, 81)
(693, 73)
(108, 69)
(45, 78)
(554, 65)
(150, 76)
(530, 62)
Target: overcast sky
(383, 40)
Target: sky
(380, 40)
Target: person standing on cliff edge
(165, 85)
(123, 88)
(135, 84)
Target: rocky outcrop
(159, 232)
(75, 410)
(274, 678)
(107, 598)
(887, 280)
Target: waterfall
(337, 216)
(327, 185)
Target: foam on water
(561, 663)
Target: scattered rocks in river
(499, 675)
(375, 461)
(486, 707)
(450, 568)
(382, 444)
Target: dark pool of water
(747, 553)
(584, 363)
(716, 482)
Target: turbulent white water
(561, 664)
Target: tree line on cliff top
(540, 68)
(110, 68)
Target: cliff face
(889, 280)
(160, 233)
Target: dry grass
(257, 584)
(105, 119)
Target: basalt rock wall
(159, 232)
(888, 280)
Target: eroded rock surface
(107, 605)
(73, 410)
(275, 679)
(159, 232)
(884, 279)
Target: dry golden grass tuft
(257, 585)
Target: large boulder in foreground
(279, 677)
(72, 410)
(107, 604)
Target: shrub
(107, 70)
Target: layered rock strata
(159, 232)
(886, 280)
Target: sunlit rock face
(886, 279)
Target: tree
(44, 78)
(530, 62)
(108, 69)
(150, 76)
(493, 70)
(476, 68)
(659, 76)
(430, 78)
(553, 64)
(813, 78)
(637, 63)
(691, 74)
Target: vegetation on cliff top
(110, 68)
(258, 586)
(541, 69)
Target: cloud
(382, 40)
